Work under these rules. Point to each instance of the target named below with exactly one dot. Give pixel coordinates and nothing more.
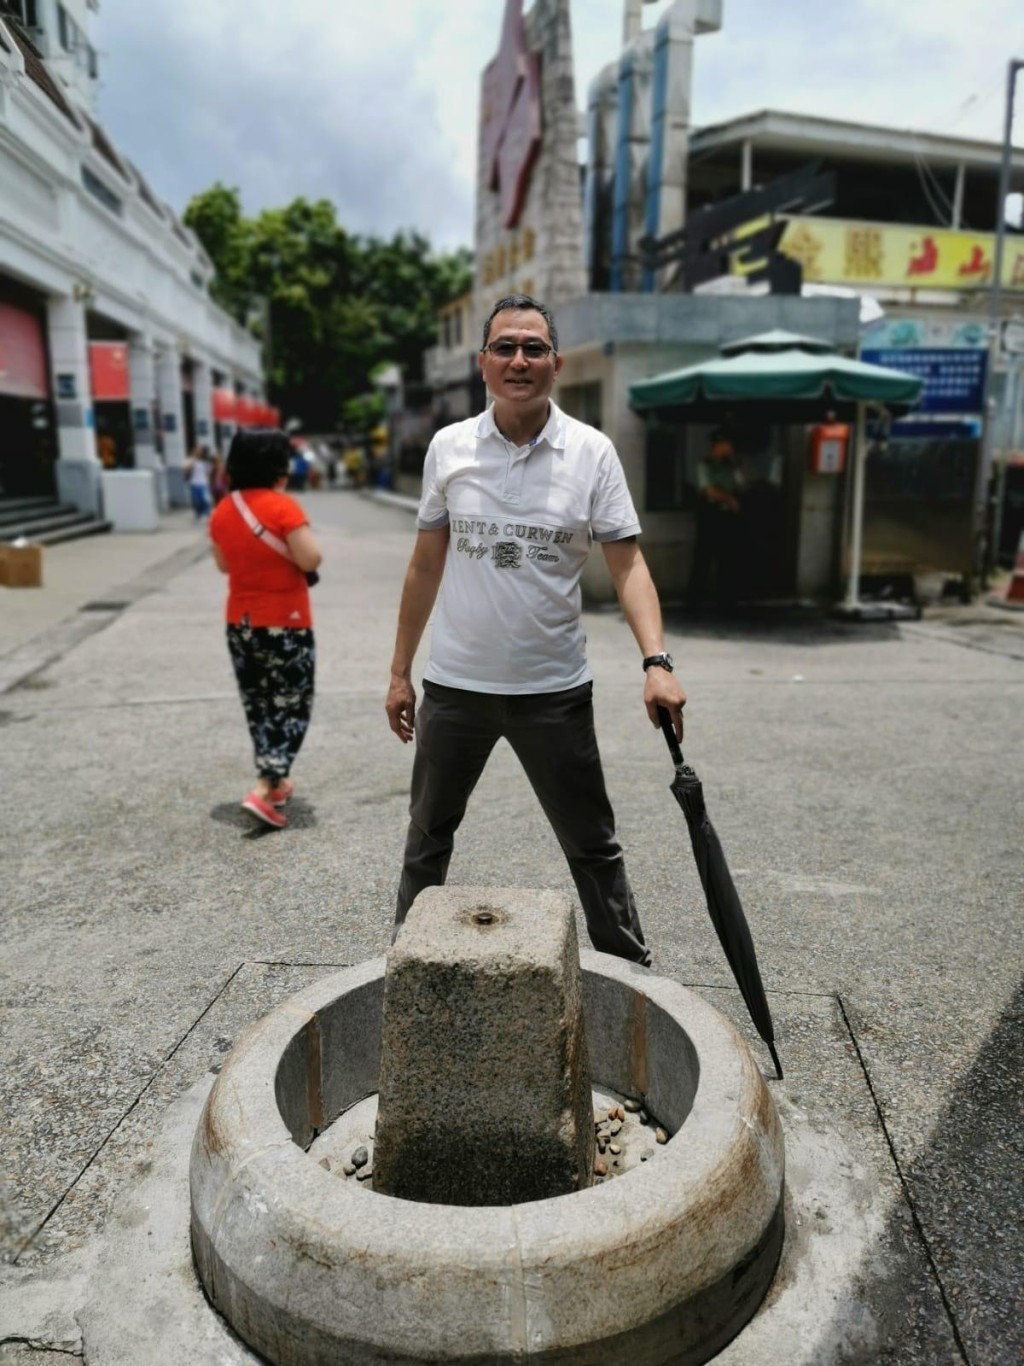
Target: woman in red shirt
(269, 621)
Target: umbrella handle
(669, 733)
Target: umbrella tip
(775, 1060)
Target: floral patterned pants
(274, 666)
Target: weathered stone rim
(256, 1193)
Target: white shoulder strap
(258, 529)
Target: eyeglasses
(532, 350)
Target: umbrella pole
(860, 457)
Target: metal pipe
(860, 459)
(958, 196)
(747, 169)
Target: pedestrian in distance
(511, 502)
(299, 467)
(263, 542)
(198, 471)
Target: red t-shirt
(262, 584)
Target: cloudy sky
(374, 105)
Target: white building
(109, 341)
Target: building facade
(112, 353)
(895, 263)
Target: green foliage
(364, 412)
(337, 305)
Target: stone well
(666, 1262)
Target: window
(671, 482)
(583, 402)
(64, 28)
(99, 191)
(94, 63)
(25, 10)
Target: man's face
(516, 378)
(721, 449)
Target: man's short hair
(258, 458)
(518, 303)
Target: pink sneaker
(282, 792)
(263, 811)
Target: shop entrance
(762, 537)
(28, 447)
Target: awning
(225, 405)
(776, 367)
(22, 354)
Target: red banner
(108, 369)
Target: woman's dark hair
(258, 458)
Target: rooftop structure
(886, 175)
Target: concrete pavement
(866, 782)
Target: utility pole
(995, 294)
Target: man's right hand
(401, 707)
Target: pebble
(360, 1157)
(632, 1106)
(614, 1148)
(348, 1169)
(660, 1136)
(646, 1154)
(364, 1173)
(600, 1169)
(614, 1128)
(325, 1163)
(644, 1117)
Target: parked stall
(781, 380)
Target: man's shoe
(280, 794)
(264, 811)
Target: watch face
(669, 661)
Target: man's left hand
(662, 689)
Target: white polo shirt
(522, 520)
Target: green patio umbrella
(777, 366)
(787, 372)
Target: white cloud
(374, 106)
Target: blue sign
(954, 376)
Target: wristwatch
(663, 661)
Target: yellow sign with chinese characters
(839, 251)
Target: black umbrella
(723, 900)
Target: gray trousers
(553, 737)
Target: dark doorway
(28, 448)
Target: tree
(337, 305)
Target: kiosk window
(671, 470)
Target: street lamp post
(995, 295)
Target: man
(716, 547)
(511, 501)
